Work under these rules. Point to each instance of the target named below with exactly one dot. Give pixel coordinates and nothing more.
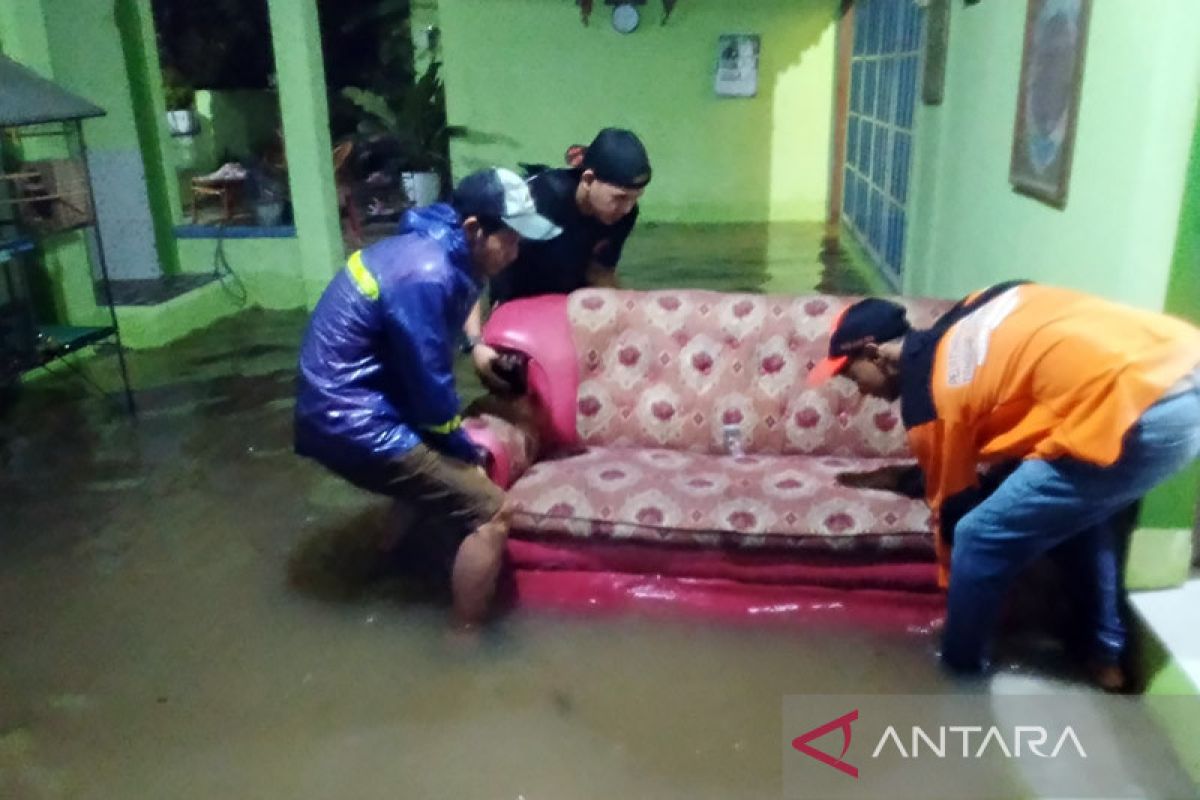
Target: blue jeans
(1067, 506)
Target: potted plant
(181, 104)
(414, 118)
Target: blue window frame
(883, 95)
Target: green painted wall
(68, 272)
(268, 268)
(85, 46)
(152, 84)
(96, 73)
(136, 26)
(1183, 289)
(145, 327)
(1137, 113)
(23, 35)
(1174, 504)
(296, 38)
(528, 79)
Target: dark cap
(618, 157)
(868, 321)
(500, 193)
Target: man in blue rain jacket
(377, 402)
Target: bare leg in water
(476, 570)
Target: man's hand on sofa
(897, 478)
(485, 359)
(512, 447)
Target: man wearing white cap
(377, 402)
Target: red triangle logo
(842, 723)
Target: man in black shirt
(595, 204)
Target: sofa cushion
(706, 500)
(669, 369)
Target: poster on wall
(1048, 101)
(737, 65)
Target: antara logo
(1023, 739)
(1034, 737)
(843, 723)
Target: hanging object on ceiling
(625, 18)
(625, 15)
(585, 10)
(668, 9)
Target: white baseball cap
(502, 194)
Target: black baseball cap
(868, 321)
(500, 194)
(617, 156)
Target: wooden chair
(228, 191)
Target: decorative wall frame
(1048, 100)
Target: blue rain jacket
(376, 365)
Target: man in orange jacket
(1096, 402)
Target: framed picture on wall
(1048, 100)
(737, 65)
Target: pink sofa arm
(511, 448)
(540, 328)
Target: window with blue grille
(883, 95)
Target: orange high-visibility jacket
(1026, 371)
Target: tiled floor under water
(153, 645)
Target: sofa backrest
(671, 369)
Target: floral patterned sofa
(627, 493)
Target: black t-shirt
(559, 265)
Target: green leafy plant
(414, 115)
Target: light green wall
(1174, 504)
(152, 84)
(296, 37)
(144, 327)
(1115, 237)
(136, 24)
(69, 273)
(268, 268)
(23, 35)
(528, 79)
(1183, 289)
(85, 47)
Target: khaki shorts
(445, 498)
